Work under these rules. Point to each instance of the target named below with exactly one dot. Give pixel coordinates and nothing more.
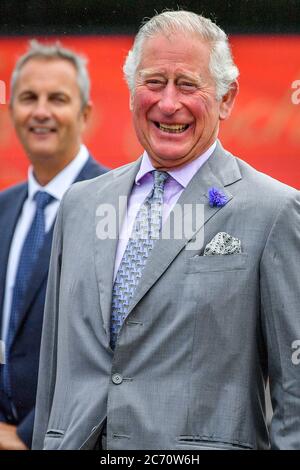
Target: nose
(41, 111)
(169, 103)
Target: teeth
(41, 130)
(173, 128)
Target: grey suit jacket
(202, 335)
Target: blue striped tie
(29, 255)
(145, 232)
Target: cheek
(142, 102)
(205, 114)
(20, 117)
(200, 108)
(66, 122)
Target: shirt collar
(182, 175)
(62, 181)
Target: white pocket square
(223, 244)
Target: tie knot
(42, 199)
(160, 177)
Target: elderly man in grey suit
(153, 340)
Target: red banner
(264, 128)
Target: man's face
(175, 112)
(47, 112)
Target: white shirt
(57, 188)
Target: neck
(46, 168)
(44, 176)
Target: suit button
(117, 379)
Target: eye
(154, 83)
(187, 86)
(60, 99)
(27, 98)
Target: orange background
(264, 128)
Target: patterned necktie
(29, 255)
(145, 231)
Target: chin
(169, 159)
(41, 153)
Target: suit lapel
(219, 171)
(40, 271)
(8, 221)
(90, 170)
(105, 250)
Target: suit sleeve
(47, 365)
(25, 429)
(280, 300)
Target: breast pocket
(53, 439)
(216, 263)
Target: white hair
(222, 67)
(54, 51)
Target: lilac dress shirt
(180, 178)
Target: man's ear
(86, 112)
(227, 101)
(10, 108)
(131, 102)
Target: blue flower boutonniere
(216, 198)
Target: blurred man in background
(50, 106)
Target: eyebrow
(32, 92)
(25, 92)
(149, 72)
(146, 73)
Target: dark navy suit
(24, 355)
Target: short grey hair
(222, 67)
(38, 50)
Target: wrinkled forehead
(177, 53)
(176, 41)
(47, 76)
(45, 65)
(177, 46)
(45, 71)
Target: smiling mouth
(172, 128)
(41, 130)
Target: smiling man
(49, 107)
(175, 111)
(170, 346)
